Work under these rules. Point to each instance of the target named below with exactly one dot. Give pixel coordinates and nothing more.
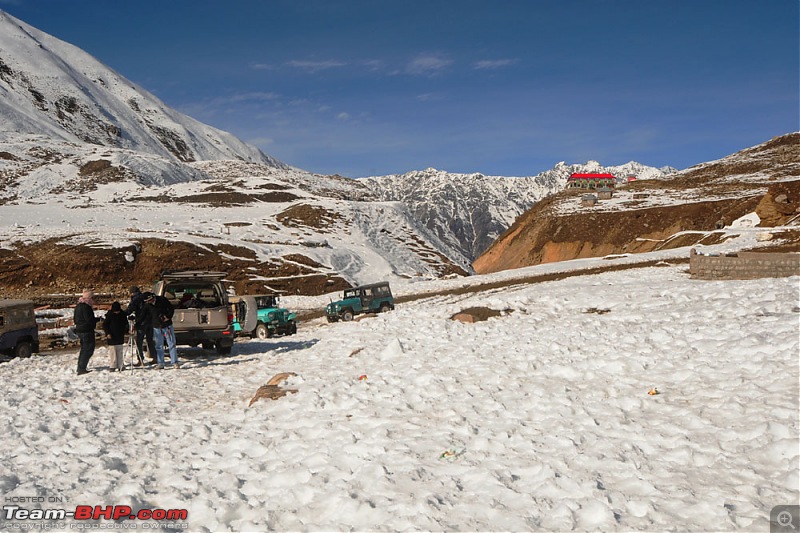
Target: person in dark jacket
(135, 307)
(115, 325)
(145, 319)
(85, 322)
(158, 312)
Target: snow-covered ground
(539, 419)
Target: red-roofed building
(591, 181)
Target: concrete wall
(744, 265)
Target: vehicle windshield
(184, 295)
(266, 302)
(350, 293)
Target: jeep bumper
(193, 337)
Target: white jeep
(203, 315)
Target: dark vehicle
(19, 334)
(202, 313)
(373, 298)
(262, 317)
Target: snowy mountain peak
(469, 211)
(54, 89)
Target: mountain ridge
(55, 89)
(469, 211)
(95, 170)
(687, 208)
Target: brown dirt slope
(764, 179)
(40, 270)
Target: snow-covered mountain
(53, 90)
(91, 165)
(469, 211)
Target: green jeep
(374, 298)
(261, 316)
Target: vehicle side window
(380, 291)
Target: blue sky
(502, 87)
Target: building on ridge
(591, 181)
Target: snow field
(539, 419)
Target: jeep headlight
(271, 316)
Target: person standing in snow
(115, 325)
(143, 333)
(85, 322)
(159, 312)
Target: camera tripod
(131, 346)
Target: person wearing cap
(158, 312)
(115, 325)
(85, 322)
(135, 307)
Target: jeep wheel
(292, 328)
(262, 332)
(347, 315)
(223, 350)
(384, 308)
(23, 350)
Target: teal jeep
(374, 298)
(261, 316)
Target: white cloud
(261, 141)
(428, 64)
(315, 66)
(251, 96)
(373, 64)
(489, 64)
(343, 116)
(429, 97)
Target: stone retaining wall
(744, 265)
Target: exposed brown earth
(475, 314)
(221, 199)
(45, 269)
(308, 215)
(750, 180)
(540, 237)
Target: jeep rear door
(205, 318)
